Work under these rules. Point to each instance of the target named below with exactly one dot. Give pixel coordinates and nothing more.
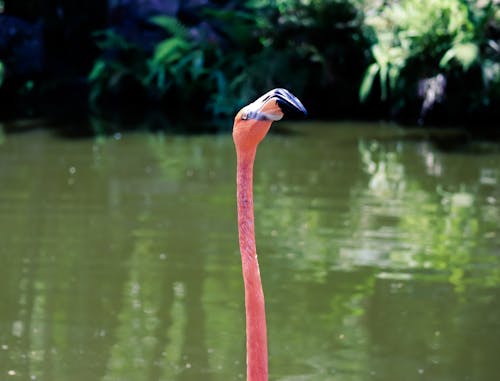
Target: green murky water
(379, 250)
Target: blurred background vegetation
(415, 61)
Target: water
(379, 250)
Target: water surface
(379, 251)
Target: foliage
(123, 60)
(315, 47)
(180, 68)
(417, 39)
(217, 66)
(2, 70)
(206, 61)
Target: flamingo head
(253, 121)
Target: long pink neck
(254, 296)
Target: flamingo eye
(252, 115)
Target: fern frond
(171, 25)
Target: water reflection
(379, 256)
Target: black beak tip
(291, 109)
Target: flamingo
(251, 125)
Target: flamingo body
(251, 125)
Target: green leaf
(198, 64)
(465, 53)
(367, 83)
(393, 76)
(2, 71)
(170, 50)
(109, 39)
(380, 54)
(383, 69)
(171, 25)
(97, 70)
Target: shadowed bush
(431, 51)
(214, 67)
(432, 61)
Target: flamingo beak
(273, 105)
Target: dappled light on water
(379, 254)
